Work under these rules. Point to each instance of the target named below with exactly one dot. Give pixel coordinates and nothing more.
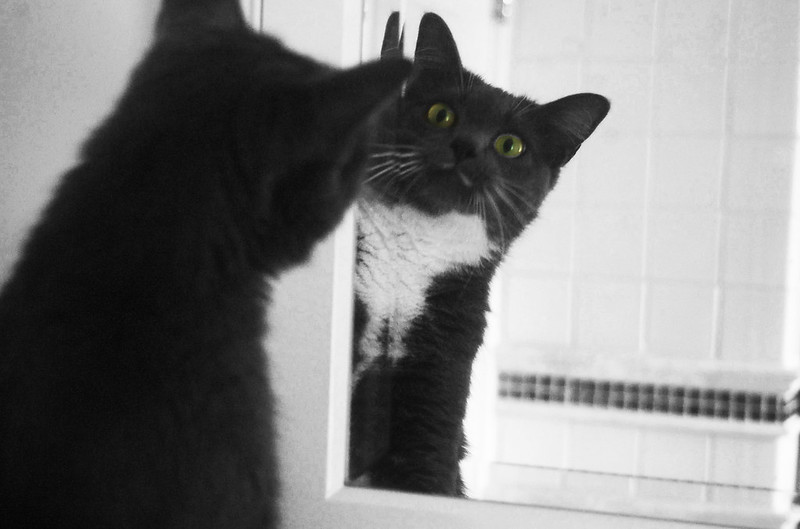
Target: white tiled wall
(667, 237)
(666, 469)
(664, 253)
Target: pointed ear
(349, 97)
(392, 37)
(177, 15)
(436, 47)
(564, 124)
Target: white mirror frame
(309, 348)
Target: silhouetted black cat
(459, 168)
(133, 384)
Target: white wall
(665, 243)
(63, 64)
(663, 254)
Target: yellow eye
(509, 145)
(441, 115)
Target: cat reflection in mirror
(457, 171)
(133, 385)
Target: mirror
(643, 335)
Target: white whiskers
(400, 164)
(504, 209)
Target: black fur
(428, 390)
(133, 385)
(406, 424)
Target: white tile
(752, 326)
(748, 461)
(764, 35)
(672, 454)
(680, 321)
(546, 28)
(612, 171)
(517, 483)
(546, 245)
(563, 195)
(694, 29)
(742, 498)
(628, 86)
(793, 273)
(672, 491)
(545, 80)
(608, 316)
(754, 249)
(675, 458)
(686, 172)
(682, 245)
(609, 243)
(791, 339)
(688, 98)
(759, 174)
(598, 485)
(620, 28)
(537, 310)
(602, 448)
(531, 441)
(764, 98)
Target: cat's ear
(436, 47)
(349, 97)
(393, 37)
(179, 15)
(564, 124)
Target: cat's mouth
(464, 179)
(457, 177)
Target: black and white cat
(133, 384)
(458, 170)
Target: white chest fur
(401, 250)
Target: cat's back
(133, 386)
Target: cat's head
(455, 143)
(269, 142)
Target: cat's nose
(463, 149)
(442, 159)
